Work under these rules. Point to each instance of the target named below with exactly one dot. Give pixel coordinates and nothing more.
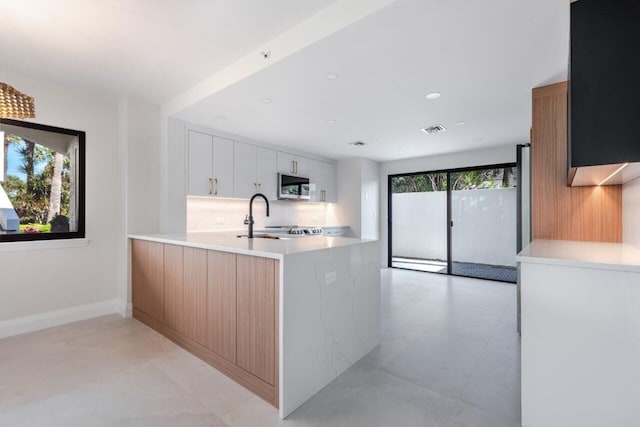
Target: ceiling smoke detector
(358, 143)
(434, 129)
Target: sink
(264, 236)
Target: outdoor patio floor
(467, 269)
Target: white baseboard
(49, 319)
(123, 309)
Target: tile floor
(449, 357)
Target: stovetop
(296, 230)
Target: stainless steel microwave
(293, 187)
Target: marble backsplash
(208, 214)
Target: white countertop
(608, 256)
(228, 241)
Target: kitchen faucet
(249, 219)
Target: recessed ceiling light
(434, 95)
(221, 118)
(463, 123)
(358, 143)
(478, 140)
(331, 122)
(266, 100)
(333, 76)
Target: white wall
(39, 281)
(358, 197)
(140, 169)
(631, 213)
(494, 155)
(209, 214)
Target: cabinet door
(222, 167)
(245, 182)
(194, 317)
(256, 316)
(330, 180)
(199, 166)
(286, 163)
(147, 278)
(302, 166)
(316, 180)
(221, 304)
(267, 173)
(173, 271)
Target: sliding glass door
(419, 226)
(484, 223)
(461, 222)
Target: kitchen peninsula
(580, 333)
(281, 316)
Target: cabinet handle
(293, 167)
(216, 191)
(296, 167)
(210, 186)
(255, 187)
(259, 188)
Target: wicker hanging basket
(15, 104)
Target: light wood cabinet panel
(560, 212)
(221, 304)
(147, 278)
(174, 287)
(256, 316)
(195, 294)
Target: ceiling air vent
(434, 129)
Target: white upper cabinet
(267, 173)
(210, 168)
(255, 171)
(219, 167)
(222, 167)
(322, 176)
(200, 168)
(245, 182)
(291, 164)
(330, 183)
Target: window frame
(81, 205)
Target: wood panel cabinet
(560, 212)
(173, 276)
(147, 278)
(210, 165)
(195, 294)
(256, 316)
(221, 304)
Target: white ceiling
(148, 49)
(484, 56)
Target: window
(41, 182)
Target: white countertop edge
(594, 255)
(208, 246)
(577, 263)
